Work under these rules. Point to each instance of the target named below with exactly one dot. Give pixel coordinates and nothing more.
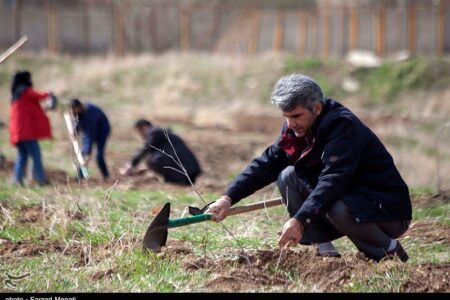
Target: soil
(428, 232)
(38, 247)
(264, 269)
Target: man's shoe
(332, 253)
(398, 252)
(44, 183)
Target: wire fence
(234, 27)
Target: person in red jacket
(28, 124)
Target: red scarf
(294, 146)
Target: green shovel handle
(189, 220)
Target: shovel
(156, 235)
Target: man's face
(77, 110)
(301, 119)
(142, 131)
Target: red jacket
(27, 118)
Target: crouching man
(334, 174)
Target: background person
(159, 162)
(28, 124)
(95, 130)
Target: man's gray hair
(296, 89)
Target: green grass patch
(21, 233)
(438, 212)
(390, 79)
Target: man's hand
(292, 233)
(126, 170)
(87, 158)
(219, 209)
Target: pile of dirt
(431, 200)
(36, 213)
(9, 249)
(263, 269)
(30, 214)
(243, 280)
(428, 278)
(428, 232)
(84, 253)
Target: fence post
(52, 27)
(380, 30)
(326, 34)
(255, 30)
(412, 27)
(279, 31)
(185, 27)
(353, 28)
(119, 26)
(86, 27)
(441, 28)
(17, 19)
(302, 32)
(206, 41)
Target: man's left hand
(87, 158)
(292, 233)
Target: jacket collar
(325, 109)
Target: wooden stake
(69, 119)
(13, 49)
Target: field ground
(88, 237)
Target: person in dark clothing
(157, 141)
(95, 128)
(334, 175)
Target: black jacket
(347, 161)
(160, 161)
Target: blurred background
(320, 28)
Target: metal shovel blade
(156, 235)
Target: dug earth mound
(265, 269)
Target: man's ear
(317, 107)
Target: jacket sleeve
(155, 139)
(340, 158)
(260, 172)
(36, 96)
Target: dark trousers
(32, 149)
(166, 168)
(100, 157)
(372, 239)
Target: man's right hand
(219, 209)
(126, 170)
